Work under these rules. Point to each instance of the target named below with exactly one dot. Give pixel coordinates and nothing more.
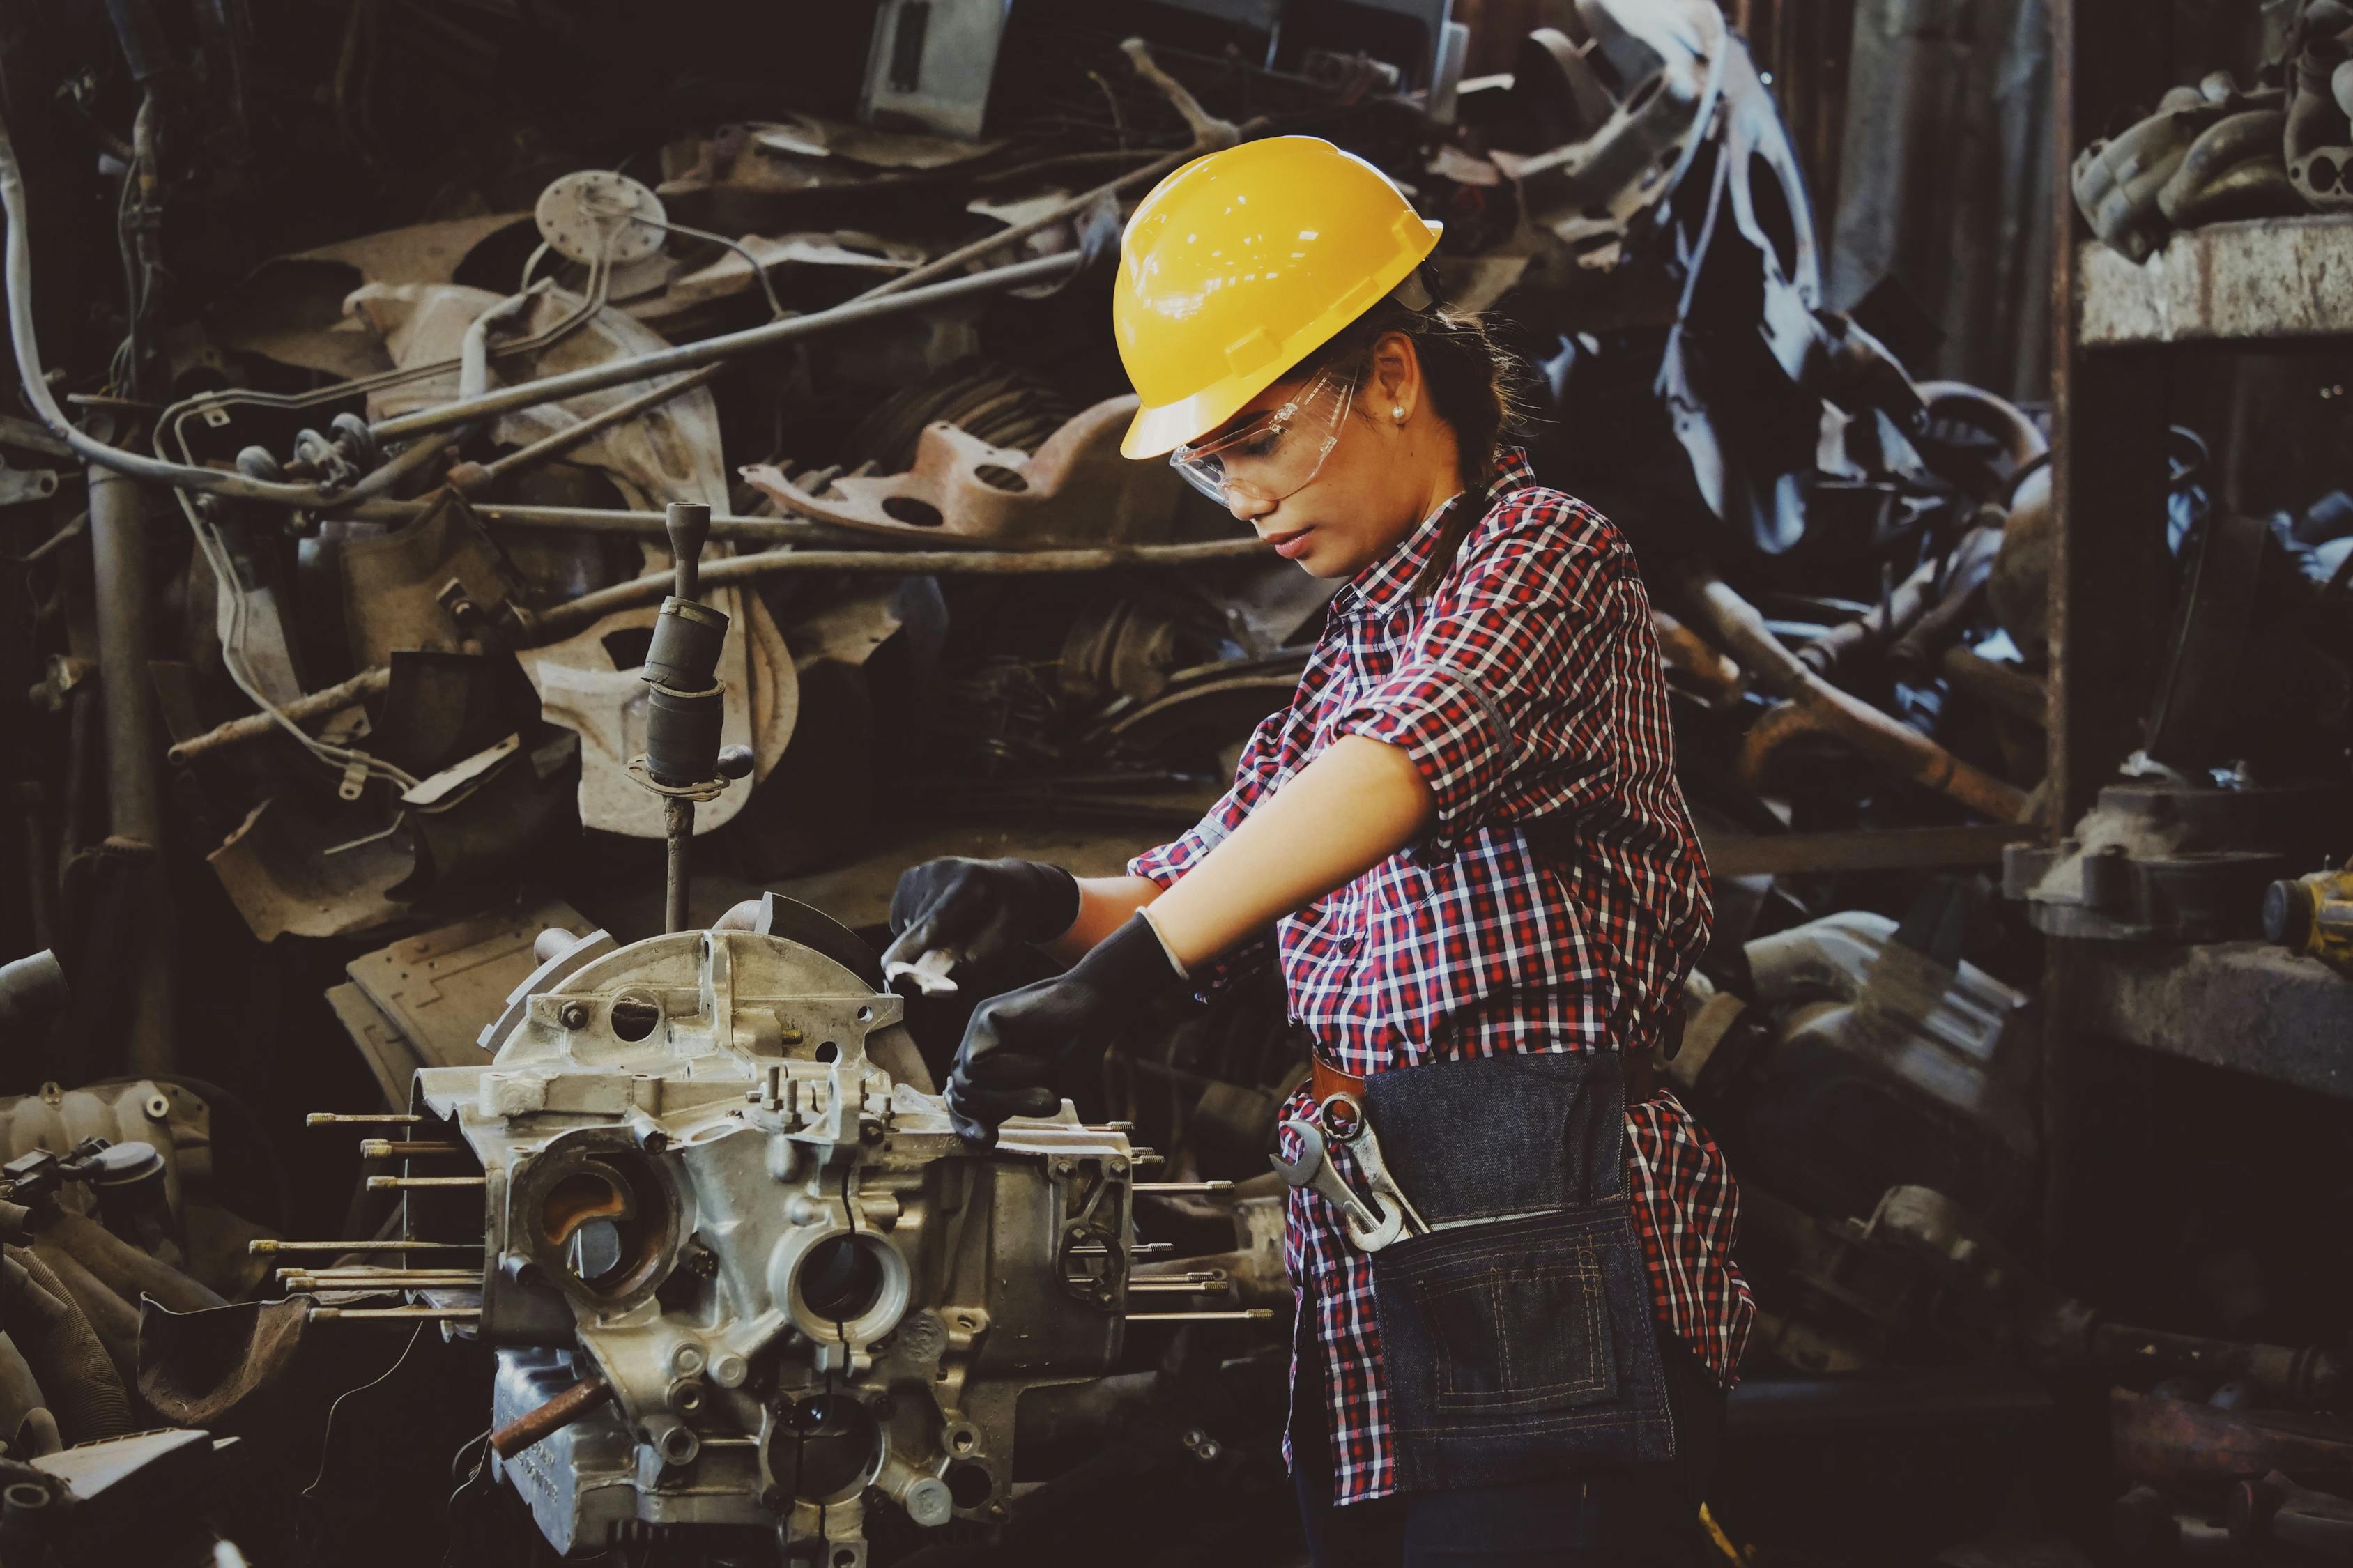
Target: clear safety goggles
(1275, 455)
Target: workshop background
(380, 1183)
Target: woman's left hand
(1023, 1049)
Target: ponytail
(1476, 384)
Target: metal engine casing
(809, 1296)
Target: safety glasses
(1276, 454)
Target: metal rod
(337, 1118)
(558, 1413)
(404, 1314)
(617, 520)
(1245, 1314)
(1183, 1287)
(253, 726)
(678, 837)
(469, 479)
(1136, 1249)
(396, 1149)
(263, 1249)
(1182, 1187)
(453, 1272)
(396, 1183)
(563, 620)
(307, 1284)
(728, 346)
(118, 548)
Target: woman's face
(1391, 462)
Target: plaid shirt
(1527, 686)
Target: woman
(1466, 835)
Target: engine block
(807, 1298)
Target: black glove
(1023, 1049)
(979, 911)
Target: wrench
(1343, 1119)
(1365, 1148)
(1369, 1230)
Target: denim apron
(1517, 1334)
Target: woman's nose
(1246, 507)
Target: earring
(1397, 413)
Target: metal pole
(678, 835)
(710, 351)
(118, 548)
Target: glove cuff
(1133, 962)
(1049, 899)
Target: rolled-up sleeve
(1519, 647)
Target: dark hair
(1476, 384)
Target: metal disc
(581, 214)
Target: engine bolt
(687, 1360)
(574, 1015)
(729, 1370)
(1066, 1166)
(1118, 1167)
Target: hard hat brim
(1159, 429)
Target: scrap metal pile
(341, 529)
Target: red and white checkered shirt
(1529, 686)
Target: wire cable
(326, 1437)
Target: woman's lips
(1290, 546)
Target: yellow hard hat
(1241, 263)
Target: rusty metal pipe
(1812, 705)
(254, 726)
(726, 346)
(551, 1417)
(564, 619)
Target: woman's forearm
(1354, 806)
(1104, 905)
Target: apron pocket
(1518, 1333)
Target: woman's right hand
(979, 911)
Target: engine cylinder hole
(971, 1484)
(840, 1279)
(828, 1052)
(635, 1015)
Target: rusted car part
(1605, 119)
(2318, 138)
(411, 582)
(105, 1199)
(564, 620)
(2169, 860)
(1812, 705)
(421, 1001)
(1923, 1278)
(463, 412)
(1076, 488)
(2210, 153)
(729, 345)
(1856, 1010)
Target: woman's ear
(1393, 386)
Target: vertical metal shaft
(689, 524)
(678, 832)
(135, 797)
(118, 548)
